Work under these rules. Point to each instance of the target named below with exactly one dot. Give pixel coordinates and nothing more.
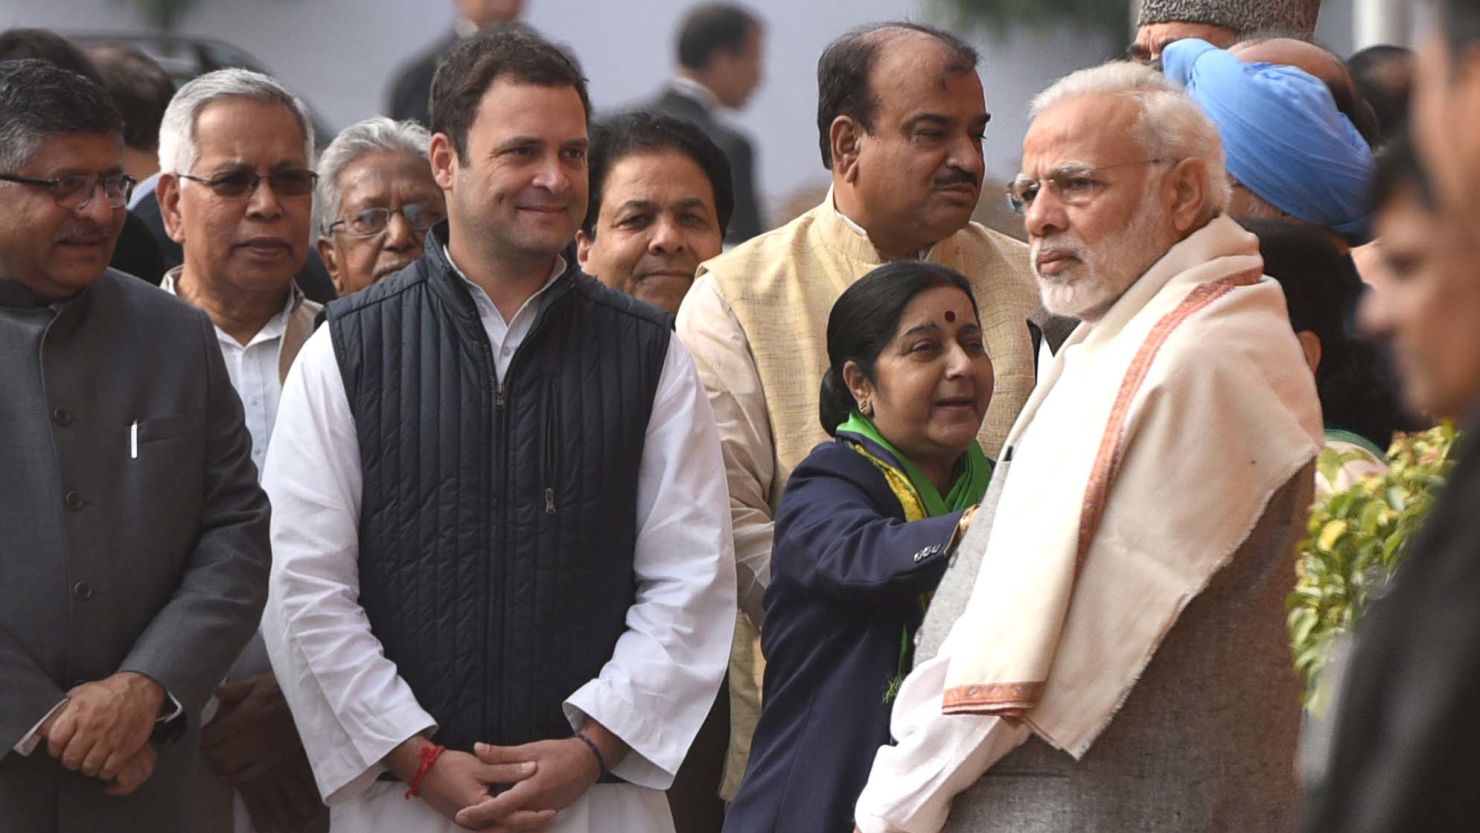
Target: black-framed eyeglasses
(374, 221)
(242, 183)
(76, 190)
(1074, 184)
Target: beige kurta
(756, 324)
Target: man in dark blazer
(133, 536)
(719, 65)
(409, 96)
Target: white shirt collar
(924, 253)
(478, 293)
(275, 327)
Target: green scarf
(967, 491)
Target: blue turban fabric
(1283, 137)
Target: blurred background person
(661, 200)
(866, 527)
(236, 150)
(1383, 76)
(375, 201)
(410, 92)
(137, 252)
(141, 90)
(1219, 22)
(720, 54)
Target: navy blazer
(847, 576)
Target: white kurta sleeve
(721, 351)
(350, 704)
(667, 666)
(936, 757)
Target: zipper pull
(550, 500)
(502, 397)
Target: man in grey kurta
(133, 536)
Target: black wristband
(595, 750)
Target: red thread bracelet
(429, 755)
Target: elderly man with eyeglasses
(375, 201)
(1108, 650)
(235, 191)
(133, 535)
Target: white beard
(1088, 288)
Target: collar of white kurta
(1140, 464)
(843, 233)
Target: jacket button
(73, 500)
(62, 417)
(82, 591)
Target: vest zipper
(501, 398)
(552, 428)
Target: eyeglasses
(76, 190)
(1075, 184)
(373, 221)
(241, 183)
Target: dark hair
(140, 89)
(1322, 290)
(1398, 168)
(711, 27)
(40, 99)
(843, 83)
(1459, 21)
(644, 131)
(46, 45)
(510, 51)
(863, 321)
(1383, 76)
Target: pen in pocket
(133, 441)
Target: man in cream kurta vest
(906, 175)
(1114, 655)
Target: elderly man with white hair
(375, 201)
(1114, 654)
(235, 190)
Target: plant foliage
(1356, 539)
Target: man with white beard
(1114, 654)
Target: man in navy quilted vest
(503, 583)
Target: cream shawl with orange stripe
(1142, 461)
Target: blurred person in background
(1406, 754)
(133, 535)
(901, 118)
(141, 90)
(866, 527)
(1323, 180)
(236, 183)
(137, 252)
(1383, 76)
(410, 91)
(1219, 22)
(720, 50)
(375, 201)
(660, 202)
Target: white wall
(340, 55)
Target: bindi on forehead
(950, 316)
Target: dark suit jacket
(313, 278)
(1406, 755)
(746, 222)
(121, 549)
(410, 93)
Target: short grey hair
(177, 148)
(373, 135)
(1172, 126)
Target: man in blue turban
(1290, 151)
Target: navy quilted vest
(498, 520)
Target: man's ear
(167, 192)
(583, 248)
(844, 138)
(443, 157)
(1189, 185)
(331, 263)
